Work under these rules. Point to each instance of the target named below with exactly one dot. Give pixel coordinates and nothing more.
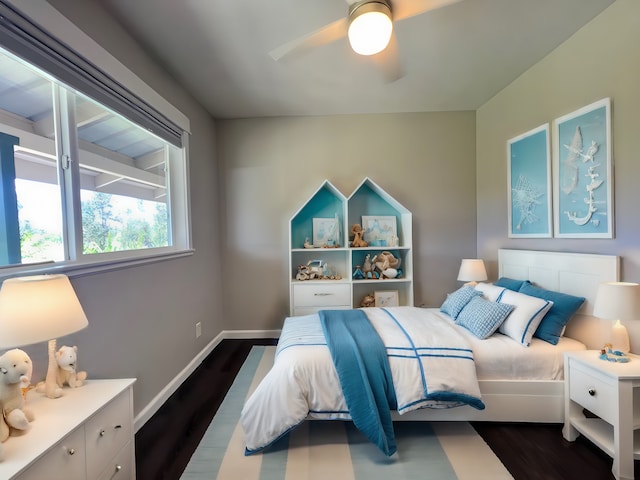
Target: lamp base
(51, 388)
(620, 337)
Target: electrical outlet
(198, 329)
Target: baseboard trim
(242, 334)
(152, 407)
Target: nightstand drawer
(322, 295)
(593, 391)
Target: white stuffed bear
(15, 365)
(67, 358)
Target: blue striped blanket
(431, 366)
(365, 377)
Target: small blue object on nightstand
(607, 353)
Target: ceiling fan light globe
(370, 29)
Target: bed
(509, 382)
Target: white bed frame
(539, 401)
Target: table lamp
(39, 308)
(616, 301)
(472, 270)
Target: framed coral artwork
(583, 173)
(529, 184)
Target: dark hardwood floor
(165, 443)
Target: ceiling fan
(384, 12)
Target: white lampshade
(38, 308)
(472, 270)
(370, 27)
(617, 301)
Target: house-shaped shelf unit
(315, 224)
(366, 205)
(326, 210)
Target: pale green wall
(601, 60)
(271, 166)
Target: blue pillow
(482, 317)
(510, 283)
(564, 306)
(457, 300)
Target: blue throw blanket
(363, 368)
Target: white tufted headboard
(573, 273)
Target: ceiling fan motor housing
(370, 26)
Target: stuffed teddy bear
(67, 358)
(368, 301)
(15, 365)
(357, 233)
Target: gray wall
(141, 319)
(271, 166)
(448, 168)
(601, 60)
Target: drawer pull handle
(103, 432)
(592, 392)
(322, 294)
(118, 468)
(71, 451)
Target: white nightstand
(611, 391)
(85, 434)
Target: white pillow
(523, 321)
(490, 291)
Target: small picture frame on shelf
(386, 298)
(326, 232)
(380, 231)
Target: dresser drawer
(121, 467)
(322, 295)
(594, 391)
(301, 311)
(64, 461)
(106, 433)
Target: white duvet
(426, 354)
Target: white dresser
(85, 434)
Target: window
(80, 182)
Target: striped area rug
(335, 450)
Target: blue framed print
(583, 175)
(529, 184)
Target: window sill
(80, 269)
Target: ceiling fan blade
(328, 34)
(411, 8)
(388, 61)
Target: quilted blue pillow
(456, 301)
(482, 317)
(564, 306)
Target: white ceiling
(454, 58)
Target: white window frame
(61, 28)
